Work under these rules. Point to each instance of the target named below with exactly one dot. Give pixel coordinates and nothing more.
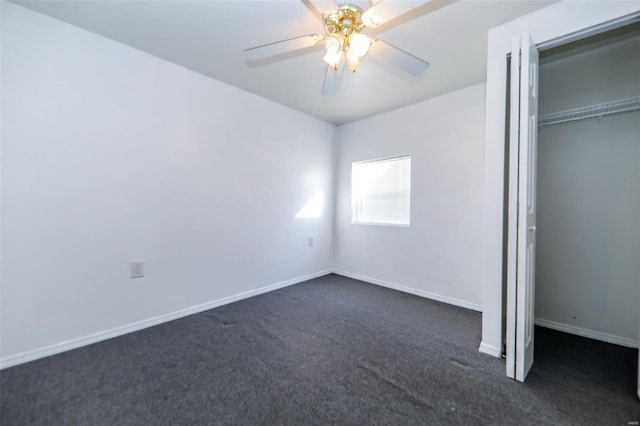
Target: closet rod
(599, 110)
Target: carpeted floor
(329, 351)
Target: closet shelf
(599, 110)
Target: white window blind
(381, 191)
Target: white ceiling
(209, 37)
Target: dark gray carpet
(328, 351)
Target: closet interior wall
(588, 253)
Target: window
(381, 191)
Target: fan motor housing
(345, 20)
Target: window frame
(353, 202)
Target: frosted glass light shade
(334, 51)
(333, 58)
(353, 60)
(359, 44)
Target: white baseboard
(490, 350)
(596, 335)
(32, 355)
(411, 290)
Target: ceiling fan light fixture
(333, 59)
(345, 44)
(352, 60)
(333, 44)
(334, 48)
(343, 27)
(359, 44)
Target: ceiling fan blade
(386, 10)
(283, 46)
(320, 7)
(332, 79)
(398, 58)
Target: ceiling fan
(345, 23)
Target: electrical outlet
(310, 241)
(137, 269)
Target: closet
(588, 188)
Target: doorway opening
(588, 199)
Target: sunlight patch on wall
(313, 208)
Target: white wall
(439, 255)
(588, 240)
(557, 21)
(110, 155)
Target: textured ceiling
(209, 37)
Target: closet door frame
(553, 26)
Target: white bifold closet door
(521, 244)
